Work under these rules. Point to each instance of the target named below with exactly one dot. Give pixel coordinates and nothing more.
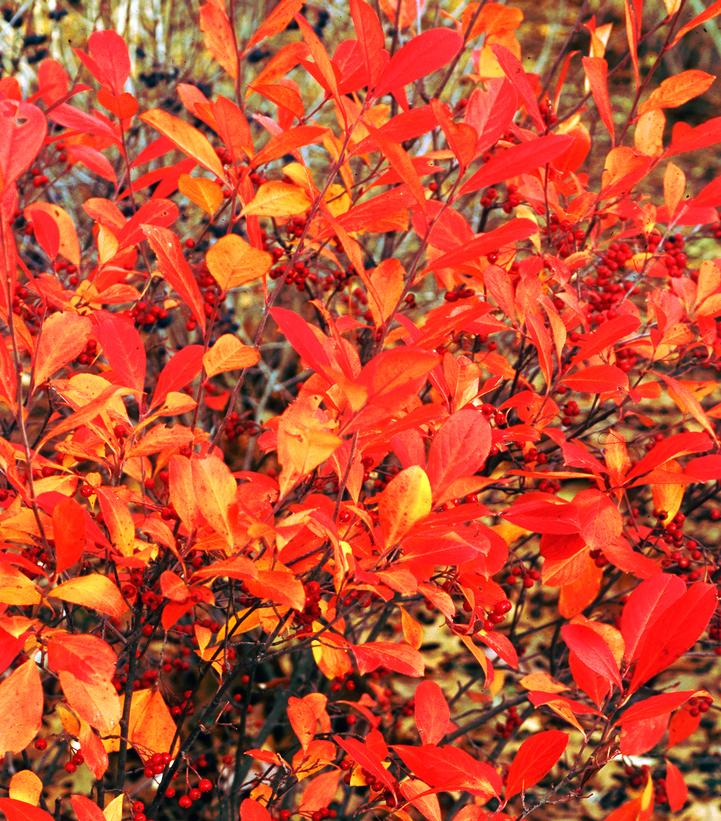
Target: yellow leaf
(406, 500)
(306, 439)
(215, 490)
(186, 137)
(674, 186)
(648, 135)
(26, 786)
(114, 810)
(229, 354)
(94, 591)
(234, 262)
(277, 199)
(202, 192)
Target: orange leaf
(21, 706)
(86, 666)
(151, 728)
(405, 501)
(186, 138)
(388, 280)
(118, 521)
(398, 657)
(677, 90)
(175, 268)
(62, 339)
(234, 262)
(94, 591)
(218, 37)
(204, 193)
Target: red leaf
(535, 757)
(607, 334)
(63, 338)
(518, 159)
(596, 69)
(511, 231)
(20, 811)
(597, 379)
(252, 810)
(175, 269)
(449, 768)
(22, 132)
(85, 809)
(674, 632)
(123, 348)
(68, 533)
(401, 658)
(433, 716)
(663, 704)
(644, 606)
(419, 57)
(592, 651)
(179, 371)
(371, 39)
(676, 788)
(671, 447)
(459, 448)
(109, 53)
(366, 758)
(516, 74)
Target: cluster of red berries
(698, 705)
(526, 576)
(459, 292)
(682, 551)
(316, 815)
(156, 764)
(513, 721)
(61, 266)
(90, 352)
(31, 312)
(76, 761)
(674, 256)
(149, 315)
(604, 291)
(211, 293)
(186, 801)
(563, 237)
(570, 412)
(345, 683)
(236, 426)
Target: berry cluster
(512, 722)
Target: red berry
(205, 785)
(185, 802)
(41, 744)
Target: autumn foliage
(360, 424)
